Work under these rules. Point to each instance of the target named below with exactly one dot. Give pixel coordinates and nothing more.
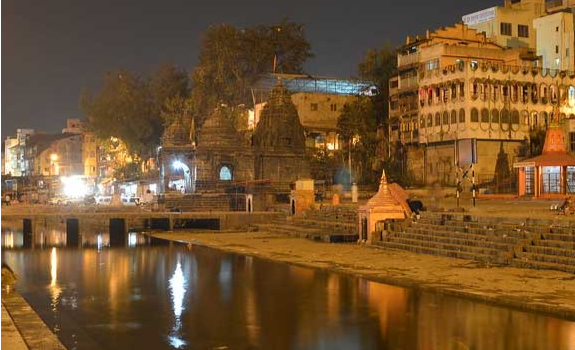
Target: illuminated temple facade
(224, 159)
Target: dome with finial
(218, 131)
(279, 127)
(176, 134)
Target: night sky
(53, 49)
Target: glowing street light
(53, 157)
(178, 165)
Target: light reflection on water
(161, 297)
(178, 286)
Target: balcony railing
(404, 60)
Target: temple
(551, 174)
(225, 165)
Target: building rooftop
(316, 84)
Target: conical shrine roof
(384, 200)
(554, 151)
(219, 131)
(176, 135)
(279, 127)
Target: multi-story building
(438, 49)
(555, 34)
(14, 148)
(318, 100)
(11, 151)
(510, 25)
(468, 88)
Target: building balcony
(409, 59)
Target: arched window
(445, 118)
(437, 119)
(429, 120)
(494, 116)
(484, 115)
(454, 117)
(524, 117)
(543, 93)
(474, 115)
(504, 116)
(226, 173)
(571, 95)
(462, 115)
(543, 116)
(514, 116)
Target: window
(523, 31)
(505, 28)
(453, 117)
(445, 118)
(556, 49)
(567, 52)
(225, 173)
(485, 115)
(494, 116)
(314, 106)
(462, 115)
(432, 65)
(572, 141)
(437, 119)
(333, 107)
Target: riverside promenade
(22, 328)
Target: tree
(134, 109)
(378, 66)
(357, 127)
(232, 60)
(122, 109)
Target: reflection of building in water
(390, 302)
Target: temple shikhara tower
(279, 141)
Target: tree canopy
(133, 108)
(233, 59)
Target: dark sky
(52, 49)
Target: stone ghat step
(313, 234)
(569, 253)
(520, 232)
(508, 238)
(445, 246)
(435, 251)
(319, 215)
(530, 264)
(462, 235)
(546, 225)
(480, 243)
(555, 259)
(324, 223)
(559, 237)
(556, 244)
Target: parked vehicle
(131, 200)
(65, 201)
(103, 200)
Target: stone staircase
(328, 224)
(205, 202)
(539, 245)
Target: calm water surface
(145, 296)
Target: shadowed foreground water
(177, 296)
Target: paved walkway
(25, 325)
(11, 338)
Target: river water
(170, 296)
